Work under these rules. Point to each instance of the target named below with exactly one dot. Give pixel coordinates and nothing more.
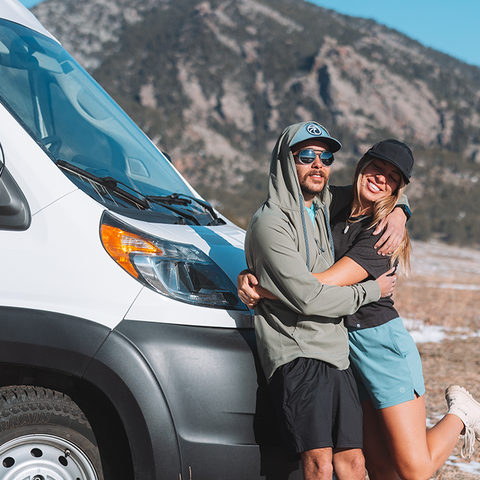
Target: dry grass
(448, 307)
(444, 287)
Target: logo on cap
(315, 130)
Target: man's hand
(387, 283)
(394, 231)
(245, 283)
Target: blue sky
(30, 3)
(451, 27)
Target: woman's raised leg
(415, 451)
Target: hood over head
(284, 187)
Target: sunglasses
(308, 156)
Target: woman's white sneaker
(464, 406)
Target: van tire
(44, 434)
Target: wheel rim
(44, 457)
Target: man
(302, 343)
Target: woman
(383, 355)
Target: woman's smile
(379, 179)
(372, 186)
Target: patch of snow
(435, 258)
(422, 333)
(450, 286)
(470, 467)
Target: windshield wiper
(111, 184)
(141, 201)
(185, 200)
(107, 182)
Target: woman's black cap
(396, 153)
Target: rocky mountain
(214, 82)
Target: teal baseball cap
(315, 131)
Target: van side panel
(216, 394)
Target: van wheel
(44, 435)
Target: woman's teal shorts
(386, 364)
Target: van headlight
(177, 270)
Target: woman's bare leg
(417, 452)
(378, 461)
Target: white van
(124, 350)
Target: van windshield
(85, 132)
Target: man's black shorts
(317, 406)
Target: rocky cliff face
(214, 83)
(90, 30)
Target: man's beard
(315, 189)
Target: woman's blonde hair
(381, 209)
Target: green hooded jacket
(282, 249)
